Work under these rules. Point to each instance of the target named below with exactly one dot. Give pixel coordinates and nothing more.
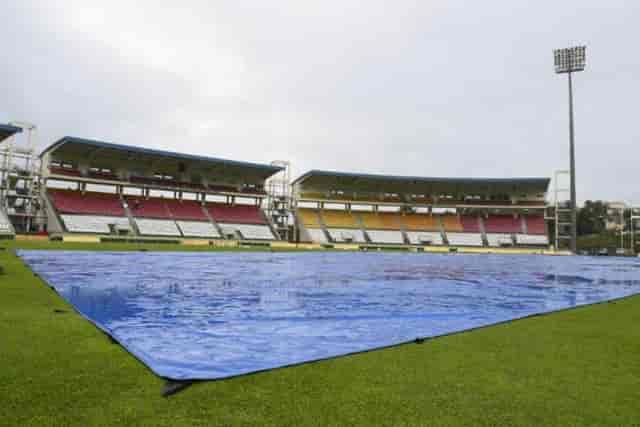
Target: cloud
(442, 88)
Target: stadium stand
(511, 207)
(87, 162)
(469, 198)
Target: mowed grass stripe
(578, 367)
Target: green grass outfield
(578, 367)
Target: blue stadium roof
(8, 130)
(322, 180)
(151, 152)
(417, 179)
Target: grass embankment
(578, 367)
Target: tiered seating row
(346, 235)
(502, 224)
(388, 227)
(535, 224)
(499, 239)
(89, 203)
(248, 231)
(157, 227)
(197, 229)
(99, 212)
(317, 235)
(339, 219)
(532, 239)
(465, 239)
(141, 207)
(386, 236)
(238, 214)
(94, 223)
(309, 218)
(425, 238)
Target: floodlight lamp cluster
(570, 59)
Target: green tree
(591, 217)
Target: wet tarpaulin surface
(216, 315)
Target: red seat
(148, 208)
(188, 210)
(89, 203)
(536, 225)
(470, 224)
(238, 214)
(502, 224)
(64, 171)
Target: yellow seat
(421, 222)
(451, 223)
(381, 220)
(309, 217)
(339, 219)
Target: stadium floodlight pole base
(172, 387)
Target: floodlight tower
(568, 61)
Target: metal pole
(622, 230)
(574, 227)
(633, 231)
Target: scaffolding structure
(634, 228)
(562, 209)
(20, 181)
(279, 200)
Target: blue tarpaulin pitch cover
(194, 316)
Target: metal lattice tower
(279, 200)
(633, 226)
(563, 211)
(20, 180)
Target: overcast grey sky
(431, 88)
